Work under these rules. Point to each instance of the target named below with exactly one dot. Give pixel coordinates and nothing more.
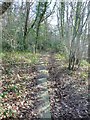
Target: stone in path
(44, 108)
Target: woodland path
(32, 82)
(69, 92)
(43, 108)
(50, 91)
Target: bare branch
(4, 6)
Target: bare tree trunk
(89, 58)
(71, 60)
(89, 34)
(40, 17)
(73, 42)
(26, 24)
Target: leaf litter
(68, 91)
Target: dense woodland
(54, 33)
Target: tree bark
(39, 21)
(89, 33)
(72, 56)
(26, 25)
(89, 58)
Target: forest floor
(69, 94)
(46, 89)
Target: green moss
(84, 75)
(13, 57)
(1, 55)
(60, 56)
(84, 63)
